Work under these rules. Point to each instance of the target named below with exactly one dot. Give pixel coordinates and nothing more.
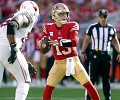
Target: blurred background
(82, 11)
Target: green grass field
(35, 93)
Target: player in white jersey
(12, 33)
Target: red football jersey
(68, 31)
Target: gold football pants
(58, 71)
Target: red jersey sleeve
(74, 28)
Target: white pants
(19, 69)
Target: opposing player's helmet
(60, 8)
(31, 9)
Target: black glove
(13, 55)
(31, 69)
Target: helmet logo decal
(56, 7)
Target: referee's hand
(83, 57)
(118, 58)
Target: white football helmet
(60, 8)
(31, 9)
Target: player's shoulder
(22, 20)
(72, 23)
(20, 16)
(23, 15)
(18, 13)
(49, 24)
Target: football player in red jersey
(64, 39)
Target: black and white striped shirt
(101, 36)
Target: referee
(101, 34)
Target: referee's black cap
(103, 12)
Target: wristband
(13, 46)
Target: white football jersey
(20, 34)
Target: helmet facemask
(60, 8)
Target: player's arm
(20, 21)
(73, 41)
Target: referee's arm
(116, 45)
(84, 46)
